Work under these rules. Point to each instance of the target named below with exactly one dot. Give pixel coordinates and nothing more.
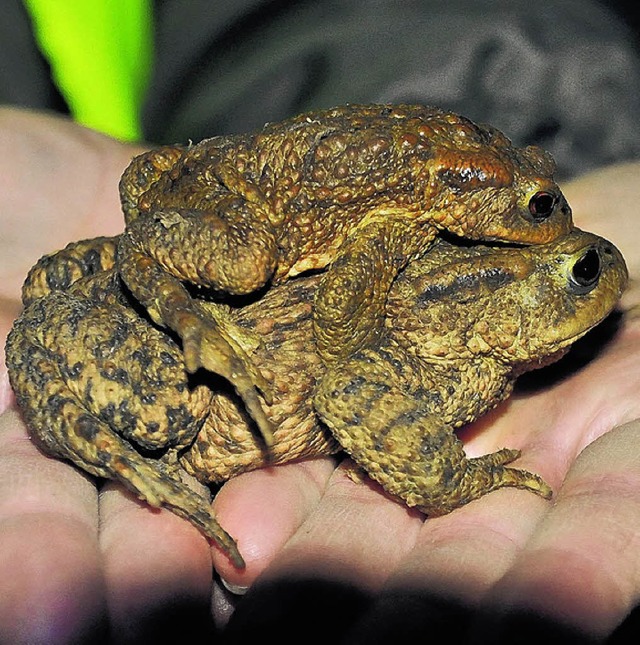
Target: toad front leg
(225, 242)
(404, 445)
(350, 304)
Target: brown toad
(102, 386)
(361, 188)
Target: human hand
(72, 558)
(375, 570)
(112, 558)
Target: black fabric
(25, 78)
(563, 74)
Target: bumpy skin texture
(361, 188)
(101, 385)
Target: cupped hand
(75, 559)
(575, 561)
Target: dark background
(563, 74)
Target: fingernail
(238, 590)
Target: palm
(508, 547)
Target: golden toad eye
(585, 273)
(542, 204)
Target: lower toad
(101, 385)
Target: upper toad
(361, 188)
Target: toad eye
(585, 273)
(542, 204)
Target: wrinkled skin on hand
(102, 386)
(363, 189)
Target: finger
(355, 534)
(157, 569)
(456, 559)
(263, 509)
(60, 183)
(51, 584)
(582, 565)
(461, 555)
(331, 566)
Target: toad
(362, 189)
(102, 385)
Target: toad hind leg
(407, 447)
(65, 428)
(152, 481)
(69, 431)
(206, 342)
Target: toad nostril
(607, 250)
(586, 271)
